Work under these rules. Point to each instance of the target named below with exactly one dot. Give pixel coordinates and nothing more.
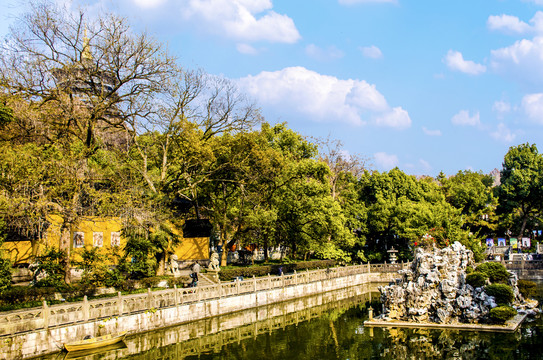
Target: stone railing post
(175, 298)
(269, 282)
(86, 309)
(254, 283)
(120, 308)
(369, 267)
(237, 286)
(282, 280)
(45, 314)
(149, 299)
(220, 288)
(295, 278)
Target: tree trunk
(161, 264)
(224, 245)
(522, 227)
(65, 245)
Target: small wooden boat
(96, 342)
(86, 354)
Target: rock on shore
(434, 289)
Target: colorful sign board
(513, 242)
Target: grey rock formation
(434, 289)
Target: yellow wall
(18, 251)
(193, 249)
(21, 251)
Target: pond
(326, 330)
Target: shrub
(5, 274)
(502, 293)
(501, 314)
(476, 279)
(127, 285)
(50, 269)
(150, 282)
(23, 294)
(527, 288)
(178, 281)
(496, 272)
(263, 270)
(469, 269)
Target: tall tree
(521, 185)
(473, 194)
(74, 85)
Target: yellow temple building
(104, 233)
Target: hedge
(476, 279)
(264, 270)
(496, 272)
(502, 293)
(501, 314)
(527, 288)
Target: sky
(422, 85)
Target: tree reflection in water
(331, 330)
(339, 335)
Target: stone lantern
(392, 255)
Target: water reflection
(329, 326)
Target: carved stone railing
(18, 321)
(523, 264)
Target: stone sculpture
(173, 264)
(214, 262)
(434, 289)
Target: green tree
(473, 194)
(76, 87)
(521, 186)
(49, 269)
(402, 209)
(5, 263)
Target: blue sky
(424, 85)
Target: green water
(340, 335)
(331, 330)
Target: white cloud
(323, 97)
(512, 24)
(532, 105)
(398, 118)
(352, 2)
(431, 132)
(147, 4)
(501, 107)
(372, 52)
(385, 161)
(503, 133)
(463, 118)
(455, 61)
(522, 61)
(328, 54)
(507, 23)
(245, 20)
(246, 49)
